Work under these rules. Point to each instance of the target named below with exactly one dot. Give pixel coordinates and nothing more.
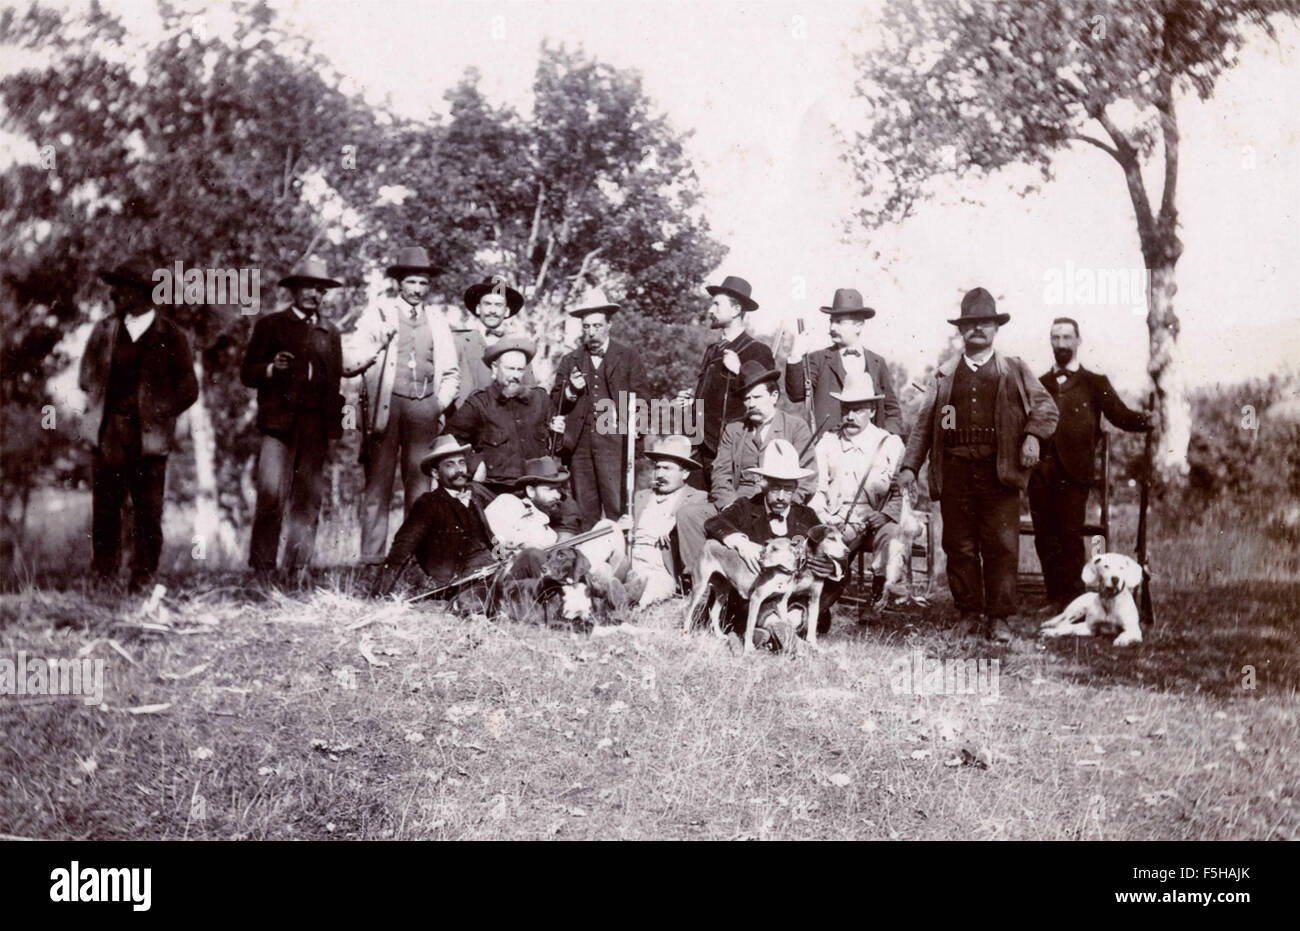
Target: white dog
(1117, 579)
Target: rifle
(630, 430)
(807, 381)
(816, 436)
(1145, 607)
(363, 455)
(491, 569)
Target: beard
(512, 389)
(1063, 355)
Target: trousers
(1058, 506)
(981, 536)
(143, 478)
(408, 438)
(289, 478)
(597, 467)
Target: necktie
(853, 352)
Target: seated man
(545, 515)
(446, 531)
(739, 450)
(856, 491)
(750, 522)
(506, 422)
(652, 569)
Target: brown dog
(550, 588)
(783, 573)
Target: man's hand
(283, 359)
(557, 423)
(624, 522)
(577, 383)
(906, 481)
(876, 522)
(1029, 452)
(684, 398)
(747, 549)
(799, 348)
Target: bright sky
(761, 84)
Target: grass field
(245, 713)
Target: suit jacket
(1023, 407)
(370, 351)
(622, 372)
(167, 385)
(280, 395)
(1082, 399)
(739, 450)
(442, 534)
(719, 389)
(749, 516)
(688, 497)
(504, 432)
(826, 372)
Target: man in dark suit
(447, 532)
(589, 382)
(295, 361)
(981, 425)
(138, 376)
(718, 388)
(1058, 489)
(827, 368)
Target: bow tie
(851, 352)
(596, 353)
(495, 334)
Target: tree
(962, 88)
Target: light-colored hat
(446, 445)
(858, 387)
(310, 272)
(675, 449)
(594, 301)
(510, 344)
(780, 461)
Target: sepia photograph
(523, 420)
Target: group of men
(493, 464)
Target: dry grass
(284, 722)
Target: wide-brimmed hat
(848, 301)
(133, 274)
(735, 287)
(780, 461)
(412, 260)
(446, 445)
(510, 344)
(675, 448)
(545, 470)
(593, 302)
(310, 271)
(858, 387)
(754, 373)
(497, 283)
(978, 304)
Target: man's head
(778, 493)
(855, 416)
(669, 476)
(1065, 340)
(760, 402)
(307, 297)
(413, 288)
(453, 472)
(846, 329)
(595, 330)
(508, 372)
(130, 301)
(129, 288)
(492, 310)
(307, 283)
(545, 497)
(723, 309)
(979, 321)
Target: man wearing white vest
(405, 353)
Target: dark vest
(122, 394)
(974, 395)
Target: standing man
(828, 369)
(494, 304)
(652, 567)
(138, 376)
(741, 449)
(981, 424)
(295, 361)
(446, 531)
(718, 385)
(595, 374)
(1058, 489)
(506, 422)
(404, 351)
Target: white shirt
(843, 463)
(462, 496)
(974, 362)
(135, 326)
(656, 520)
(1063, 373)
(854, 360)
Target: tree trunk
(1173, 432)
(216, 536)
